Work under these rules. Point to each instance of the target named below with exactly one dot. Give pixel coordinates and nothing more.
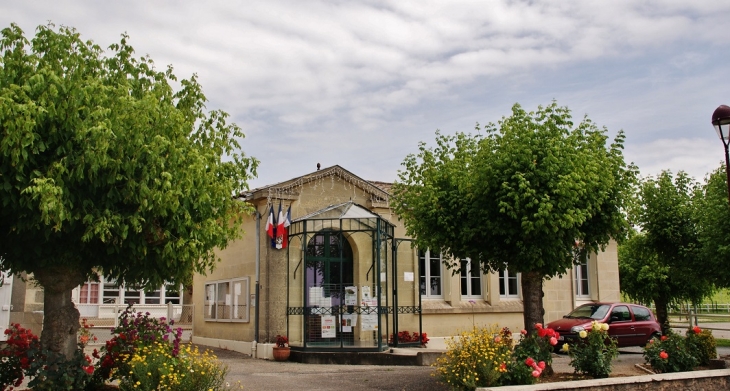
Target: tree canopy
(527, 195)
(106, 167)
(662, 262)
(713, 219)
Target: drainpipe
(258, 274)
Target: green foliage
(475, 358)
(593, 354)
(22, 356)
(669, 354)
(701, 344)
(103, 164)
(14, 360)
(663, 263)
(713, 216)
(519, 196)
(152, 367)
(53, 371)
(538, 345)
(135, 330)
(106, 167)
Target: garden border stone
(708, 380)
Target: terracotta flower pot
(281, 354)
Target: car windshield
(590, 311)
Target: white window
(227, 300)
(581, 280)
(89, 293)
(111, 293)
(508, 284)
(471, 279)
(430, 274)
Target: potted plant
(281, 350)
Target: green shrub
(475, 358)
(538, 345)
(593, 352)
(701, 345)
(152, 367)
(669, 354)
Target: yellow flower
(565, 347)
(582, 334)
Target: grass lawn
(723, 342)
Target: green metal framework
(342, 222)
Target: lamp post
(721, 122)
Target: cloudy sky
(360, 83)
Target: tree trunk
(60, 316)
(662, 314)
(532, 300)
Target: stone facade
(441, 317)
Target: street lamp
(721, 122)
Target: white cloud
(305, 80)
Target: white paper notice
(349, 320)
(350, 295)
(211, 299)
(329, 329)
(382, 276)
(369, 322)
(366, 293)
(408, 276)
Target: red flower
(697, 329)
(89, 369)
(529, 362)
(663, 355)
(664, 337)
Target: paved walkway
(254, 374)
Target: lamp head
(721, 122)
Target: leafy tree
(661, 264)
(713, 218)
(105, 168)
(520, 197)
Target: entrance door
(6, 288)
(329, 270)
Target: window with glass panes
(508, 284)
(227, 301)
(89, 293)
(430, 275)
(471, 279)
(581, 280)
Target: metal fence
(181, 316)
(709, 321)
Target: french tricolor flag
(270, 226)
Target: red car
(630, 324)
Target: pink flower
(523, 332)
(536, 373)
(663, 355)
(497, 339)
(664, 337)
(538, 326)
(553, 341)
(541, 365)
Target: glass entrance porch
(341, 293)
